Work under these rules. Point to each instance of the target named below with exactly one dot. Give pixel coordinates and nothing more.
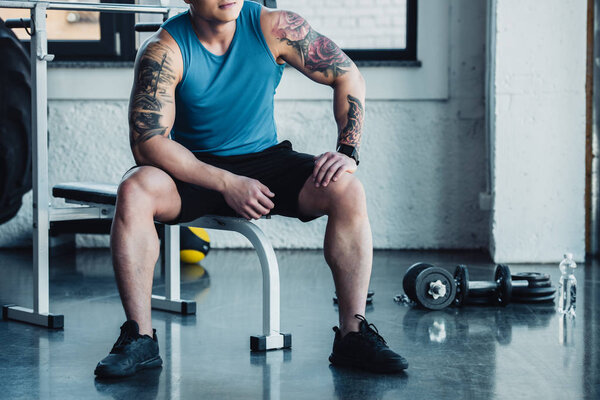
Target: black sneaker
(365, 349)
(130, 353)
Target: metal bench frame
(43, 213)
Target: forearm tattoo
(318, 53)
(351, 134)
(151, 93)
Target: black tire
(15, 124)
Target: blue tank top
(224, 104)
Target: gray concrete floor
(521, 351)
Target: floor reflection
(590, 381)
(143, 385)
(472, 352)
(271, 364)
(350, 384)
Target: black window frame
(408, 54)
(122, 47)
(117, 40)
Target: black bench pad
(89, 192)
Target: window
(84, 35)
(367, 30)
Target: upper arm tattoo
(353, 130)
(155, 76)
(318, 53)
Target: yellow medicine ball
(194, 244)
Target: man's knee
(137, 183)
(146, 189)
(346, 195)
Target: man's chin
(229, 14)
(225, 17)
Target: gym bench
(97, 201)
(100, 199)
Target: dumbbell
(429, 286)
(434, 288)
(522, 287)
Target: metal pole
(102, 7)
(172, 268)
(39, 120)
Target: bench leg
(271, 338)
(39, 315)
(171, 301)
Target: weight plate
(540, 299)
(424, 284)
(534, 292)
(461, 277)
(534, 279)
(534, 284)
(503, 294)
(530, 276)
(409, 280)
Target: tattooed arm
(293, 40)
(158, 70)
(152, 104)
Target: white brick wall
(352, 24)
(359, 24)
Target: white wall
(423, 155)
(538, 130)
(353, 23)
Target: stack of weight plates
(539, 289)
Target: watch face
(349, 151)
(346, 149)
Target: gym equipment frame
(87, 195)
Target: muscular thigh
(151, 186)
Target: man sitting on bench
(204, 140)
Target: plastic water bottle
(567, 286)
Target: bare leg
(146, 194)
(348, 245)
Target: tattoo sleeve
(352, 132)
(317, 52)
(151, 93)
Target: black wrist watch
(348, 150)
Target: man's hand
(330, 166)
(248, 197)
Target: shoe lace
(372, 332)
(124, 339)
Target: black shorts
(283, 170)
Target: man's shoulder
(268, 21)
(160, 41)
(162, 49)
